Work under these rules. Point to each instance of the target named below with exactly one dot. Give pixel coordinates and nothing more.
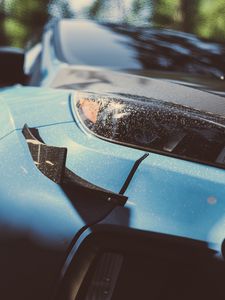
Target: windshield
(129, 47)
(154, 125)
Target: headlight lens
(154, 125)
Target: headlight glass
(154, 125)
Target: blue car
(112, 147)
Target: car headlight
(154, 125)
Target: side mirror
(11, 66)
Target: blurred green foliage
(212, 19)
(95, 10)
(23, 20)
(206, 18)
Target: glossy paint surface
(99, 80)
(166, 194)
(149, 52)
(141, 48)
(38, 221)
(183, 198)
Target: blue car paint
(21, 209)
(183, 199)
(30, 197)
(36, 107)
(166, 195)
(19, 165)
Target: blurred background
(21, 21)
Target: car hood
(151, 52)
(101, 80)
(166, 194)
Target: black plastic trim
(69, 181)
(117, 239)
(132, 172)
